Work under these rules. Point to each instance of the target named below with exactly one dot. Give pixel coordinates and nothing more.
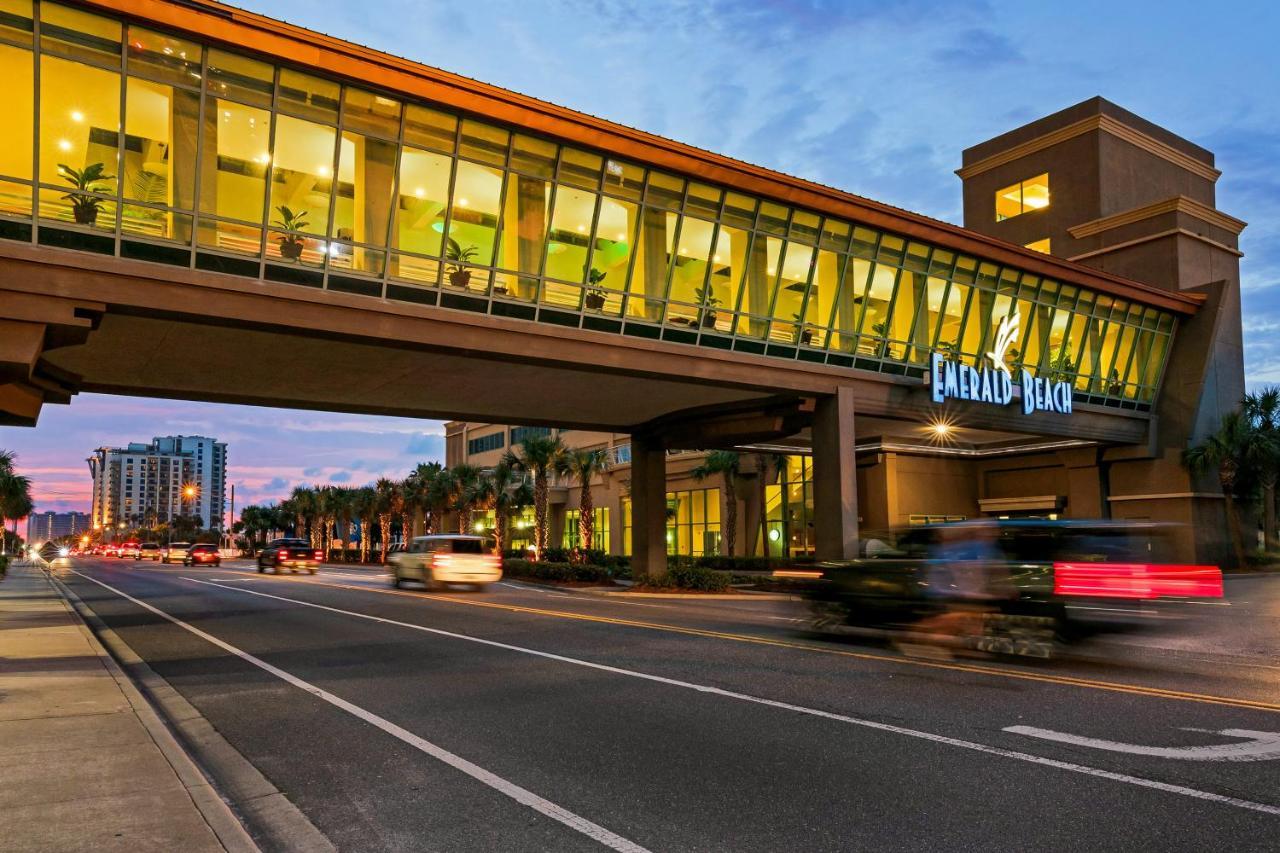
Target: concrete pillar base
(648, 507)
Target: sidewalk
(85, 763)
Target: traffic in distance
(1021, 587)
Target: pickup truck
(1009, 586)
(291, 554)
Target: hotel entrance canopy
(203, 137)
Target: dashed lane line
(755, 639)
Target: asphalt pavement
(532, 719)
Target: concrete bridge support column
(648, 507)
(835, 485)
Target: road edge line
(237, 791)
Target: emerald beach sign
(953, 380)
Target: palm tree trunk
(500, 529)
(364, 539)
(1269, 514)
(586, 519)
(1233, 520)
(540, 513)
(730, 513)
(384, 527)
(464, 519)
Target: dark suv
(1009, 585)
(204, 554)
(292, 554)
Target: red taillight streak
(318, 556)
(1136, 580)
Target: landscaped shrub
(686, 576)
(557, 571)
(4, 565)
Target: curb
(699, 596)
(244, 799)
(685, 596)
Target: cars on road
(148, 551)
(446, 559)
(174, 552)
(1008, 586)
(129, 549)
(291, 554)
(202, 554)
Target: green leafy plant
(806, 333)
(707, 316)
(84, 205)
(1060, 365)
(595, 295)
(291, 245)
(456, 255)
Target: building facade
(273, 196)
(48, 526)
(150, 484)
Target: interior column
(835, 485)
(648, 507)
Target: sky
(873, 97)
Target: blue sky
(876, 98)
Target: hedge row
(681, 576)
(549, 571)
(4, 565)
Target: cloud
(430, 445)
(314, 471)
(978, 49)
(340, 477)
(276, 484)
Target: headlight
(64, 552)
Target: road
(530, 719)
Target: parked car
(148, 551)
(446, 559)
(1017, 586)
(129, 549)
(203, 554)
(291, 554)
(174, 552)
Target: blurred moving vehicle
(129, 549)
(446, 559)
(292, 554)
(1009, 586)
(174, 552)
(148, 551)
(203, 554)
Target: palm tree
(15, 496)
(583, 465)
(728, 464)
(303, 501)
(1234, 446)
(537, 457)
(424, 494)
(1262, 411)
(511, 490)
(389, 504)
(364, 503)
(469, 490)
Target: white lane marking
(1255, 746)
(524, 588)
(786, 706)
(510, 789)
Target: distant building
(149, 484)
(43, 526)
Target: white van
(446, 559)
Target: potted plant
(291, 245)
(595, 297)
(806, 332)
(707, 316)
(457, 256)
(84, 207)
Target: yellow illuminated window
(1038, 245)
(1031, 194)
